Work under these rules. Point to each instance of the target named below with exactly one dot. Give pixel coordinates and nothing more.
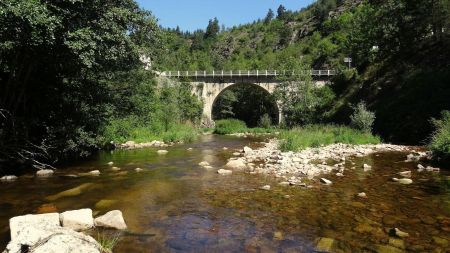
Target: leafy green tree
(66, 52)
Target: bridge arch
(210, 92)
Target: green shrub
(265, 121)
(317, 135)
(362, 119)
(440, 139)
(229, 126)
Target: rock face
(42, 233)
(237, 164)
(44, 173)
(113, 219)
(77, 220)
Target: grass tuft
(316, 135)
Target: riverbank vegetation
(440, 139)
(320, 135)
(235, 126)
(75, 75)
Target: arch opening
(246, 102)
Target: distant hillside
(400, 51)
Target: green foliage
(316, 135)
(362, 119)
(440, 139)
(265, 121)
(57, 61)
(229, 126)
(107, 241)
(302, 102)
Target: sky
(191, 15)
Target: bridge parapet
(248, 73)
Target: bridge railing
(243, 73)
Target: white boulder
(44, 173)
(237, 164)
(113, 219)
(77, 219)
(8, 178)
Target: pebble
(367, 167)
(325, 181)
(94, 172)
(403, 180)
(225, 172)
(110, 163)
(138, 169)
(405, 173)
(362, 195)
(115, 168)
(8, 178)
(162, 152)
(265, 187)
(399, 233)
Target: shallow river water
(174, 205)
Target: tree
(281, 12)
(212, 29)
(269, 16)
(66, 52)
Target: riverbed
(175, 205)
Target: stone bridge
(208, 85)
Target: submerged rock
(44, 173)
(77, 220)
(237, 164)
(324, 244)
(71, 192)
(105, 203)
(115, 169)
(225, 172)
(113, 219)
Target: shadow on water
(174, 205)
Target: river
(175, 205)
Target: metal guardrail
(246, 73)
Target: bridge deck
(248, 73)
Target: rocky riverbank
(310, 162)
(54, 232)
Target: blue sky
(194, 14)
